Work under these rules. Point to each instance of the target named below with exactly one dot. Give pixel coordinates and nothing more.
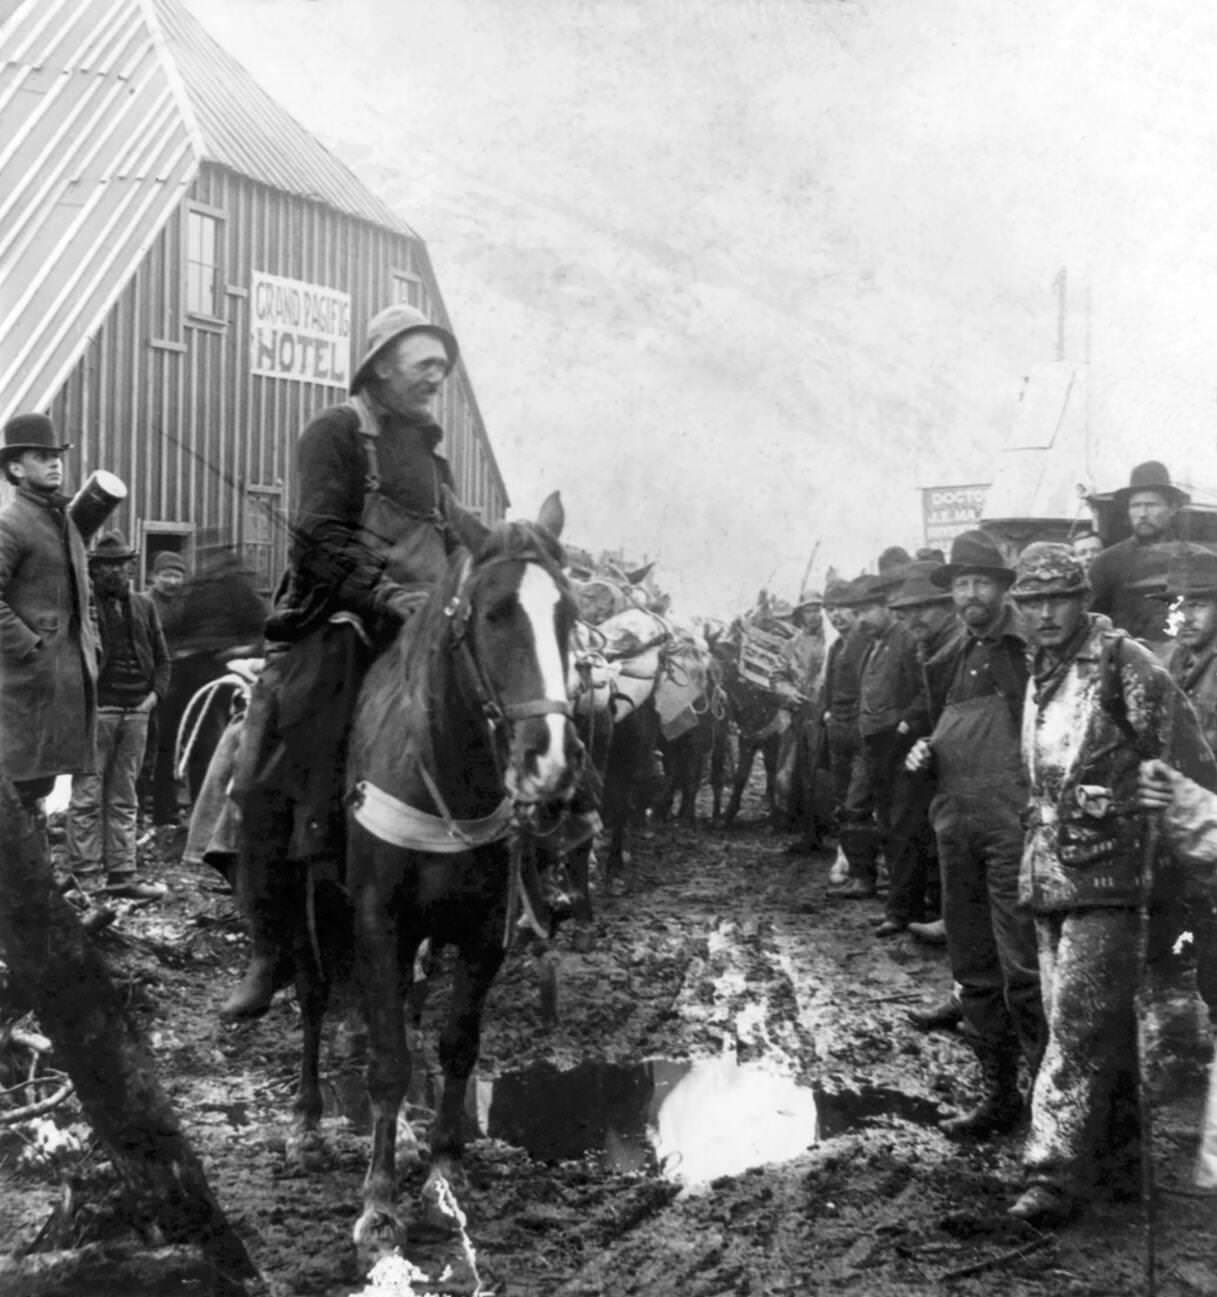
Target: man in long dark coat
(369, 539)
(48, 644)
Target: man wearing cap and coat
(1191, 579)
(927, 612)
(968, 737)
(1099, 704)
(48, 644)
(889, 681)
(370, 537)
(133, 678)
(798, 758)
(839, 697)
(1150, 501)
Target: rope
(201, 700)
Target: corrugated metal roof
(244, 129)
(96, 153)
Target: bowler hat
(972, 551)
(29, 432)
(1150, 476)
(111, 547)
(809, 599)
(1190, 573)
(1048, 568)
(392, 323)
(918, 587)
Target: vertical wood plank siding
(169, 403)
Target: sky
(740, 276)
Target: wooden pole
(56, 968)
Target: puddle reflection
(688, 1120)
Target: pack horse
(462, 733)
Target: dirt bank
(725, 951)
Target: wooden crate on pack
(762, 658)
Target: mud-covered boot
(860, 845)
(1001, 1105)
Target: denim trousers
(104, 810)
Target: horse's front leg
(379, 1229)
(478, 960)
(305, 1146)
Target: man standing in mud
(1099, 705)
(369, 539)
(889, 681)
(976, 685)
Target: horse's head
(515, 615)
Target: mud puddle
(687, 1120)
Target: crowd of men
(996, 732)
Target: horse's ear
(640, 574)
(552, 515)
(470, 531)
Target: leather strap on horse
(396, 822)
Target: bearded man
(1117, 575)
(974, 706)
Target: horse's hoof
(306, 1150)
(378, 1232)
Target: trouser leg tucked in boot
(1001, 1104)
(267, 889)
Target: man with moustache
(1098, 706)
(1151, 502)
(133, 678)
(48, 643)
(927, 612)
(889, 681)
(974, 706)
(370, 537)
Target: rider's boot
(270, 959)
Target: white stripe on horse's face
(539, 598)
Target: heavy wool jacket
(48, 642)
(1087, 726)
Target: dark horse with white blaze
(462, 726)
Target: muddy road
(732, 1103)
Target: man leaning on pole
(1099, 704)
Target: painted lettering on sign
(948, 510)
(299, 331)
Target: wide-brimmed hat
(1048, 568)
(395, 322)
(1150, 476)
(972, 551)
(836, 592)
(862, 590)
(918, 587)
(1189, 572)
(111, 547)
(30, 432)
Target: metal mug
(96, 500)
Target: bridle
(458, 611)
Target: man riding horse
(371, 535)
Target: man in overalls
(369, 539)
(976, 686)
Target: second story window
(203, 265)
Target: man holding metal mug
(48, 643)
